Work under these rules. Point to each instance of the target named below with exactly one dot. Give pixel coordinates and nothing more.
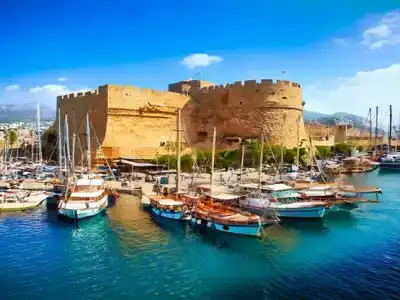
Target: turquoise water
(129, 254)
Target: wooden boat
(169, 208)
(229, 219)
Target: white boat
(285, 203)
(390, 162)
(87, 198)
(21, 200)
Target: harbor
(124, 243)
(253, 154)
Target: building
(138, 123)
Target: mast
(73, 154)
(241, 164)
(67, 153)
(178, 149)
(39, 136)
(59, 142)
(370, 127)
(390, 129)
(298, 144)
(88, 156)
(261, 162)
(376, 129)
(212, 158)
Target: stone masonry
(139, 123)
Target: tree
(12, 137)
(323, 152)
(49, 143)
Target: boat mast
(178, 149)
(390, 129)
(370, 128)
(59, 142)
(39, 136)
(213, 158)
(298, 144)
(88, 156)
(241, 164)
(67, 154)
(376, 129)
(73, 154)
(261, 162)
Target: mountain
(340, 117)
(24, 112)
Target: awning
(138, 165)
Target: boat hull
(249, 230)
(300, 213)
(82, 213)
(167, 214)
(390, 166)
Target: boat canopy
(90, 182)
(276, 187)
(286, 194)
(169, 202)
(224, 197)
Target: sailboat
(280, 199)
(85, 197)
(170, 207)
(218, 211)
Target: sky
(345, 54)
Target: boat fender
(87, 204)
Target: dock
(130, 188)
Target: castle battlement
(263, 84)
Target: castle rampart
(135, 122)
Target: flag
(283, 72)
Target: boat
(390, 162)
(285, 202)
(21, 200)
(228, 219)
(169, 208)
(86, 198)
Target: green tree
(323, 152)
(12, 137)
(49, 143)
(343, 148)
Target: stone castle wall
(137, 123)
(245, 109)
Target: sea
(127, 253)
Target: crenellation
(267, 82)
(250, 84)
(80, 94)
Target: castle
(139, 123)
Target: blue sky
(346, 54)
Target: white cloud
(62, 79)
(13, 87)
(46, 94)
(200, 60)
(384, 33)
(355, 94)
